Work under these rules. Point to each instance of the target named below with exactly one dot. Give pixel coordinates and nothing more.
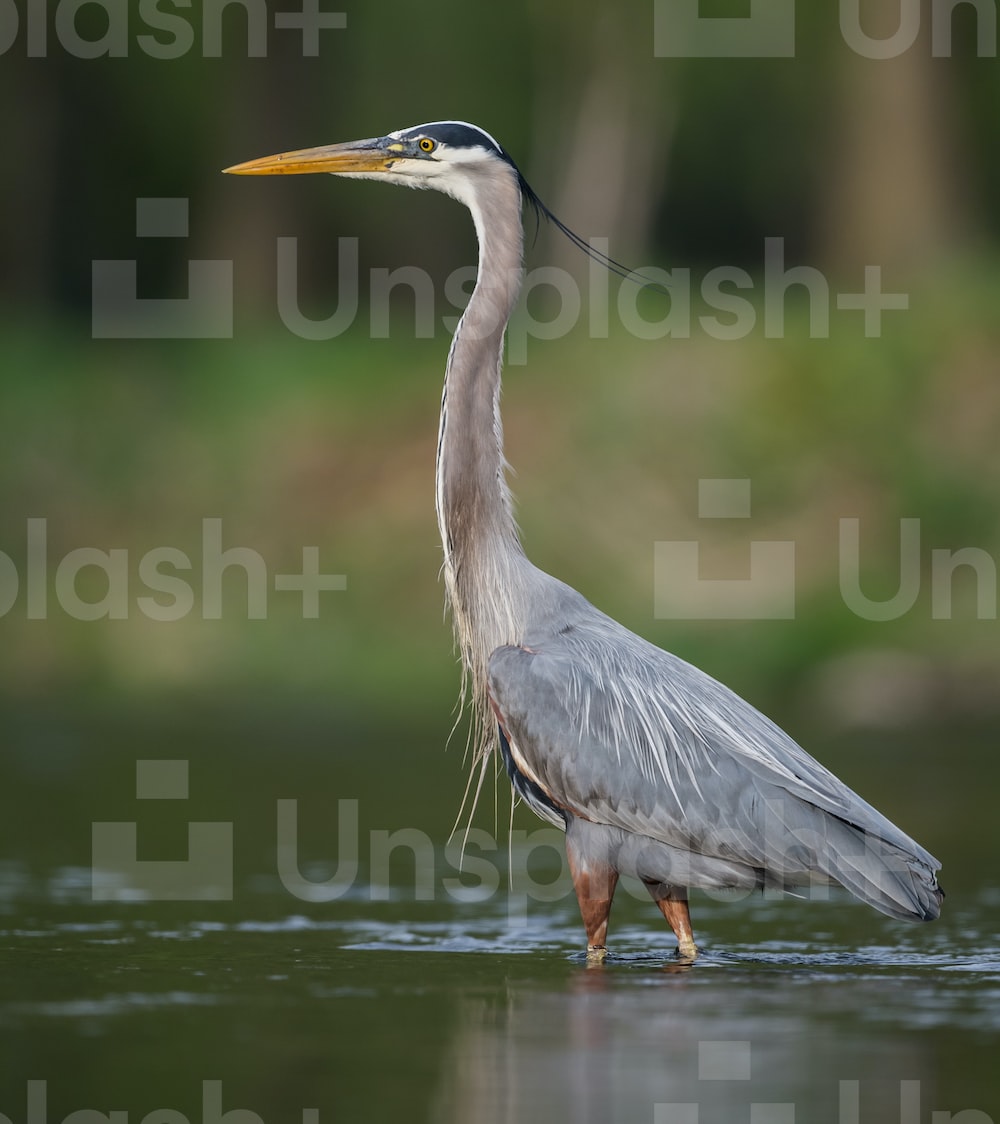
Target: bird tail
(886, 869)
(898, 882)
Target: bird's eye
(426, 144)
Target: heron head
(440, 154)
(450, 156)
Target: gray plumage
(691, 783)
(653, 768)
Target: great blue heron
(650, 766)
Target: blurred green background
(683, 164)
(131, 455)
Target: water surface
(417, 1000)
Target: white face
(436, 155)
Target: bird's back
(618, 732)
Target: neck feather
(481, 548)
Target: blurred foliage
(686, 163)
(124, 446)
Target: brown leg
(674, 908)
(594, 883)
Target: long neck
(481, 548)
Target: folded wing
(619, 732)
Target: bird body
(651, 767)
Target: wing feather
(626, 734)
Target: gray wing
(619, 732)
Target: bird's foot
(687, 951)
(596, 954)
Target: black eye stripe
(455, 134)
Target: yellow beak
(355, 156)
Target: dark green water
(418, 993)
